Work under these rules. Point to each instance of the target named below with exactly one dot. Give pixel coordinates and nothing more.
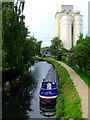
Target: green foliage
(68, 101)
(18, 52)
(80, 40)
(82, 55)
(14, 34)
(56, 47)
(38, 48)
(63, 58)
(79, 55)
(84, 76)
(4, 60)
(44, 55)
(60, 102)
(71, 58)
(31, 48)
(64, 54)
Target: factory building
(69, 25)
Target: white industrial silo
(57, 23)
(77, 27)
(66, 28)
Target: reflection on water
(39, 72)
(22, 101)
(47, 108)
(17, 104)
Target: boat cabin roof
(48, 85)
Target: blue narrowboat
(48, 91)
(39, 59)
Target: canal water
(24, 102)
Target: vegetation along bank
(68, 101)
(84, 76)
(18, 47)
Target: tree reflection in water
(18, 103)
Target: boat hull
(48, 98)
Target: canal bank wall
(68, 101)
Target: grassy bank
(84, 76)
(68, 101)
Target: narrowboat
(39, 59)
(48, 91)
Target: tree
(82, 52)
(71, 56)
(14, 34)
(56, 47)
(79, 54)
(38, 48)
(80, 40)
(64, 52)
(32, 47)
(29, 50)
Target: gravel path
(81, 87)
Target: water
(24, 102)
(40, 71)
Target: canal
(23, 102)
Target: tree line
(18, 50)
(78, 55)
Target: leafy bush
(79, 54)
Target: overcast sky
(40, 17)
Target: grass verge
(84, 76)
(68, 101)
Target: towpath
(81, 88)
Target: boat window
(49, 86)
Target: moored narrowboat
(48, 91)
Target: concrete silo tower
(77, 27)
(66, 30)
(57, 24)
(69, 25)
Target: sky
(40, 17)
